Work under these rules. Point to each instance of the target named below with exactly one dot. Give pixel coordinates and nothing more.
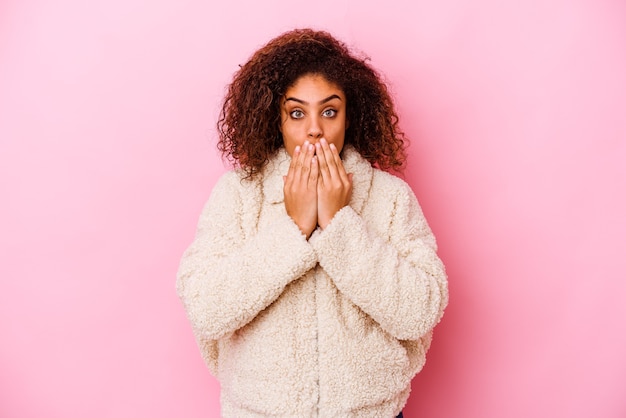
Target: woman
(313, 283)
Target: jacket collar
(272, 183)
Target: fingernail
(297, 149)
(323, 140)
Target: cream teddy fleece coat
(336, 326)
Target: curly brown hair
(249, 121)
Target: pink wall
(518, 120)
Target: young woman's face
(313, 109)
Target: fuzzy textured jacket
(333, 326)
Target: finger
(291, 172)
(300, 162)
(323, 164)
(330, 159)
(313, 175)
(306, 164)
(294, 157)
(308, 155)
(339, 164)
(292, 165)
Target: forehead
(314, 87)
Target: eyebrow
(329, 98)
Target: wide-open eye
(329, 113)
(296, 114)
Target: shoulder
(234, 182)
(232, 177)
(387, 185)
(237, 179)
(231, 201)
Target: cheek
(289, 133)
(337, 138)
(290, 138)
(338, 131)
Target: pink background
(517, 115)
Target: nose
(315, 129)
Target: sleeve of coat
(229, 274)
(395, 277)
